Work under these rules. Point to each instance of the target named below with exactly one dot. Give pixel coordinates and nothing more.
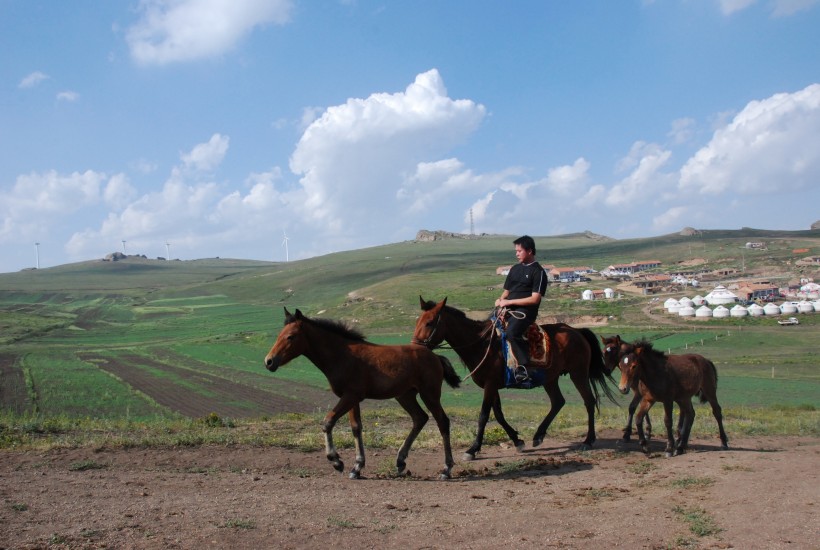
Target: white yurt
(771, 309)
(670, 302)
(755, 310)
(698, 300)
(720, 311)
(587, 295)
(816, 305)
(686, 302)
(686, 311)
(720, 295)
(703, 311)
(738, 311)
(609, 293)
(805, 307)
(811, 291)
(787, 308)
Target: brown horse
(574, 351)
(671, 379)
(359, 370)
(614, 350)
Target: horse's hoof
(469, 457)
(537, 441)
(584, 447)
(339, 466)
(668, 454)
(445, 475)
(354, 475)
(519, 446)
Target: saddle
(540, 345)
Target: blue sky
(220, 126)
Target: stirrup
(521, 374)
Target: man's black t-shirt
(524, 280)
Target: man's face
(523, 256)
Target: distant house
(762, 290)
(755, 245)
(631, 268)
(649, 283)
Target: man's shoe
(521, 374)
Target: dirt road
(762, 493)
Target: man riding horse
(526, 283)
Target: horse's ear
(422, 303)
(288, 316)
(444, 302)
(298, 315)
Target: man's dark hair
(526, 242)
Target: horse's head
(290, 343)
(614, 349)
(630, 364)
(429, 324)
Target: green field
(166, 343)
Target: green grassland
(66, 332)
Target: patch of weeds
(596, 493)
(685, 542)
(18, 507)
(84, 465)
(699, 521)
(643, 467)
(736, 468)
(239, 524)
(692, 482)
(333, 521)
(300, 472)
(89, 533)
(58, 539)
(213, 420)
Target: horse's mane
(336, 327)
(649, 350)
(430, 304)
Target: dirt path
(763, 493)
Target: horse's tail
(713, 373)
(450, 375)
(598, 375)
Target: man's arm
(533, 300)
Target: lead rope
(498, 313)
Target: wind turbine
(285, 244)
(123, 247)
(37, 253)
(168, 250)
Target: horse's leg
(490, 398)
(511, 432)
(636, 399)
(344, 405)
(355, 417)
(643, 409)
(409, 404)
(718, 414)
(581, 381)
(433, 402)
(687, 419)
(668, 411)
(556, 404)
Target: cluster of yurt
(721, 298)
(591, 294)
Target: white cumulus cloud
(171, 31)
(770, 144)
(32, 80)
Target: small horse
(671, 379)
(574, 351)
(614, 350)
(357, 370)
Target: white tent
(609, 293)
(703, 311)
(788, 307)
(587, 295)
(755, 310)
(738, 311)
(720, 311)
(805, 307)
(771, 309)
(686, 311)
(698, 300)
(720, 295)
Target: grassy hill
(151, 340)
